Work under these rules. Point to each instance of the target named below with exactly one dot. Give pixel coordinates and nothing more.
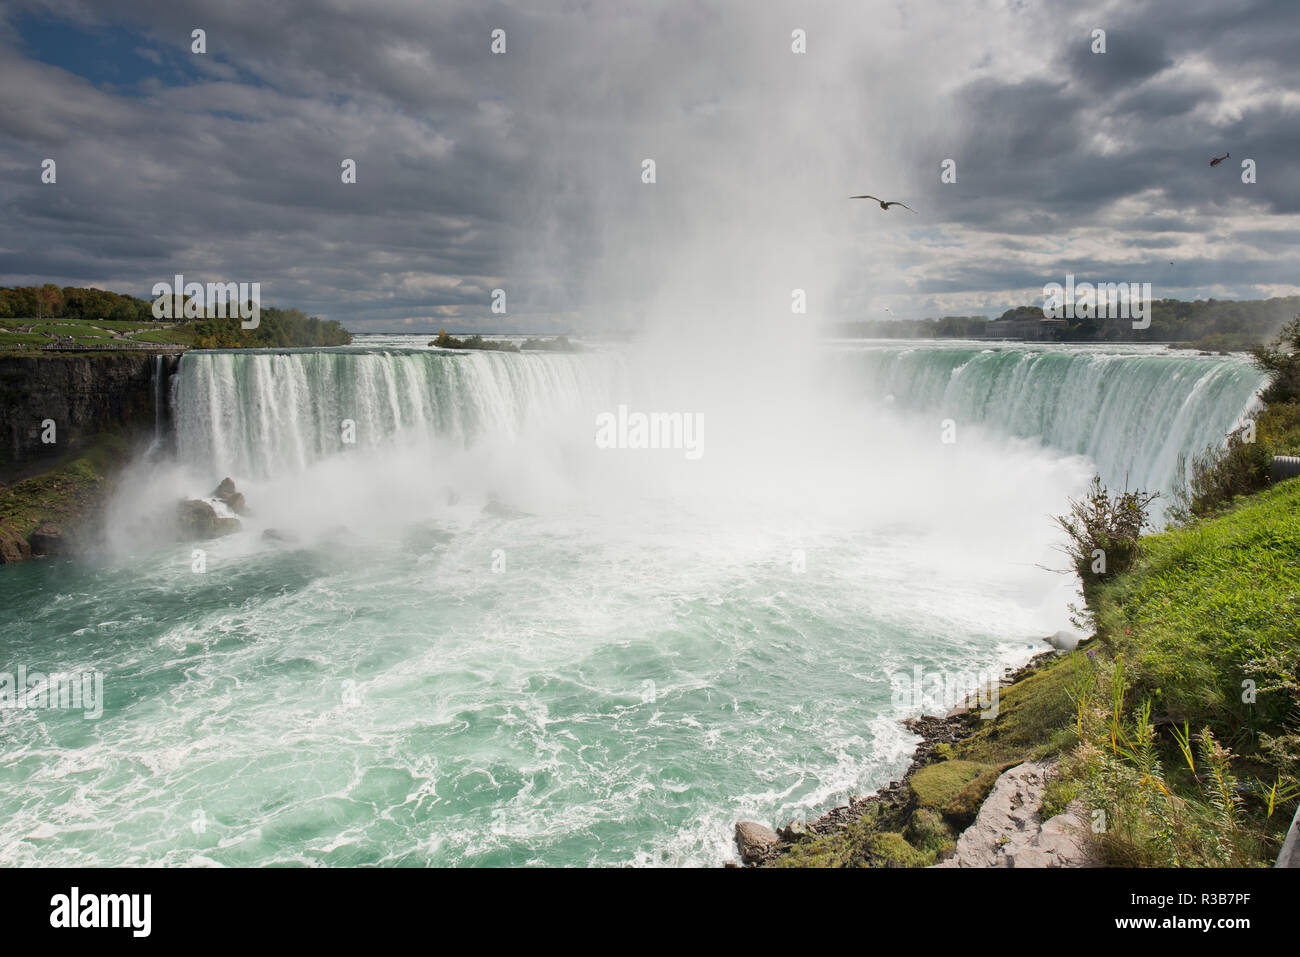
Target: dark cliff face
(83, 395)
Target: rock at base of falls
(197, 520)
(232, 497)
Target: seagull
(1219, 159)
(885, 205)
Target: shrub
(444, 341)
(1217, 476)
(1152, 817)
(1281, 361)
(929, 833)
(1104, 530)
(888, 848)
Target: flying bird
(885, 205)
(1219, 159)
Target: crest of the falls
(1133, 410)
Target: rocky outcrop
(1009, 830)
(48, 540)
(756, 841)
(197, 520)
(232, 497)
(83, 395)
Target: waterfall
(158, 387)
(264, 413)
(1133, 410)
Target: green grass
(1032, 723)
(86, 332)
(928, 832)
(79, 330)
(936, 785)
(177, 335)
(1210, 606)
(117, 325)
(92, 333)
(21, 339)
(1191, 718)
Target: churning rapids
(477, 638)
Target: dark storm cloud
(1132, 56)
(522, 170)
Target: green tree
(49, 301)
(1281, 360)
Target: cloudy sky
(523, 170)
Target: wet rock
(48, 540)
(275, 535)
(197, 520)
(756, 841)
(231, 496)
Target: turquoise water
(479, 640)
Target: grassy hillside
(1190, 718)
(19, 334)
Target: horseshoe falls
(1133, 410)
(454, 630)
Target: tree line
(276, 327)
(71, 302)
(1215, 323)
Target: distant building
(1032, 328)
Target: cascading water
(158, 386)
(263, 413)
(471, 637)
(1133, 410)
